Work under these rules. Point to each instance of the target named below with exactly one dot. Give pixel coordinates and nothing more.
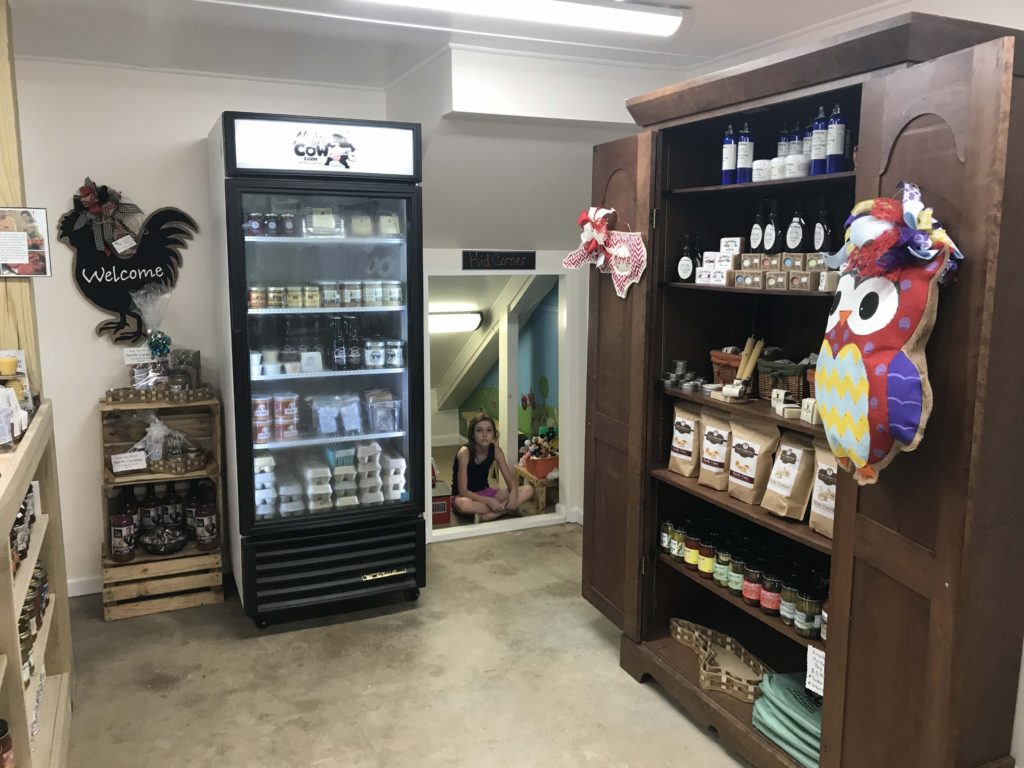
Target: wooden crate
(158, 583)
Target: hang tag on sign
(137, 355)
(133, 461)
(123, 244)
(815, 680)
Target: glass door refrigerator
(321, 363)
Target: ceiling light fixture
(640, 19)
(453, 322)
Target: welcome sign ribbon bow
(622, 254)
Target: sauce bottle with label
(772, 238)
(745, 156)
(174, 509)
(130, 506)
(756, 239)
(822, 241)
(151, 511)
(818, 143)
(835, 142)
(686, 268)
(122, 536)
(207, 530)
(796, 232)
(192, 504)
(729, 157)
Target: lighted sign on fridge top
(323, 148)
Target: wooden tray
(725, 665)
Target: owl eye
(840, 300)
(875, 302)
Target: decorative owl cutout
(871, 380)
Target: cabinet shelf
(160, 405)
(770, 621)
(18, 468)
(54, 722)
(846, 178)
(760, 410)
(749, 291)
(791, 529)
(38, 653)
(23, 578)
(327, 374)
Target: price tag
(123, 244)
(815, 680)
(137, 355)
(133, 461)
(13, 248)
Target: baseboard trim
(85, 585)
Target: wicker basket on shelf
(724, 366)
(791, 377)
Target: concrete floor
(501, 663)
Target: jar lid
(394, 343)
(374, 344)
(294, 287)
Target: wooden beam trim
(895, 555)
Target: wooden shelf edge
(55, 723)
(3, 667)
(23, 578)
(142, 557)
(791, 529)
(162, 405)
(755, 409)
(18, 468)
(770, 621)
(110, 480)
(754, 186)
(749, 291)
(657, 659)
(38, 653)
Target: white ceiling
(357, 43)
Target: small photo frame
(24, 243)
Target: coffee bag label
(743, 462)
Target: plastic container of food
(291, 508)
(344, 502)
(262, 431)
(286, 405)
(264, 480)
(286, 429)
(263, 464)
(261, 407)
(316, 474)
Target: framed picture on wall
(24, 244)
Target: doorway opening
(501, 368)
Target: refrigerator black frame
(232, 170)
(234, 188)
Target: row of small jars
(796, 598)
(331, 294)
(30, 621)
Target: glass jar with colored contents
(665, 536)
(771, 593)
(706, 556)
(723, 559)
(287, 227)
(254, 227)
(311, 296)
(752, 583)
(271, 224)
(736, 568)
(257, 297)
(787, 599)
(276, 297)
(293, 297)
(675, 544)
(807, 619)
(691, 548)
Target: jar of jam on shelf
(392, 293)
(276, 297)
(676, 545)
(25, 643)
(330, 294)
(691, 548)
(311, 296)
(664, 536)
(373, 293)
(271, 225)
(807, 620)
(787, 599)
(254, 227)
(351, 293)
(737, 566)
(287, 227)
(752, 583)
(294, 296)
(257, 297)
(706, 557)
(394, 355)
(771, 593)
(373, 353)
(723, 559)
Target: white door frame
(573, 303)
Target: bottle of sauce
(353, 343)
(744, 156)
(207, 530)
(174, 508)
(151, 511)
(796, 232)
(835, 142)
(729, 157)
(339, 347)
(192, 504)
(756, 239)
(130, 506)
(686, 268)
(822, 231)
(819, 142)
(122, 536)
(772, 240)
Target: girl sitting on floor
(470, 470)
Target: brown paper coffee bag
(684, 453)
(823, 494)
(716, 438)
(750, 460)
(791, 478)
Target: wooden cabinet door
(923, 650)
(616, 367)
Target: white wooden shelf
(18, 467)
(38, 654)
(23, 578)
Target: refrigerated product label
(325, 148)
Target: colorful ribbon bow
(594, 223)
(106, 211)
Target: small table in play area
(540, 486)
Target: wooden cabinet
(924, 641)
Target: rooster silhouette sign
(112, 259)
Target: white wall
(143, 133)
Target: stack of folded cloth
(790, 716)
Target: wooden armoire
(925, 630)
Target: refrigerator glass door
(327, 330)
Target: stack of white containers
(392, 475)
(318, 486)
(266, 493)
(368, 479)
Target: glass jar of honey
(294, 297)
(276, 297)
(311, 296)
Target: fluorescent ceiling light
(598, 15)
(453, 322)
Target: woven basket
(724, 366)
(768, 378)
(810, 382)
(725, 665)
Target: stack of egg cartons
(392, 470)
(368, 481)
(342, 463)
(289, 494)
(318, 486)
(266, 493)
